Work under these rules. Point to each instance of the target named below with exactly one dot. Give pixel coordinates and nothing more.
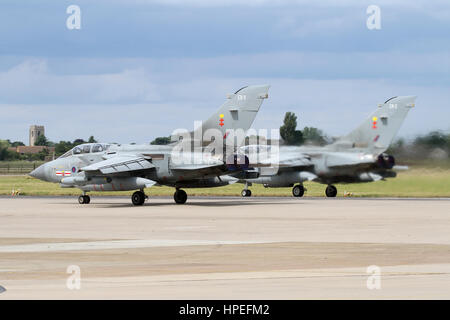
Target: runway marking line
(116, 244)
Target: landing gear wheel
(180, 196)
(331, 191)
(138, 198)
(83, 199)
(298, 191)
(246, 193)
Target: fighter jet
(357, 157)
(116, 167)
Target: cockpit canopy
(86, 148)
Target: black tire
(180, 196)
(81, 199)
(249, 193)
(87, 199)
(331, 191)
(138, 198)
(298, 191)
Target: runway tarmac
(224, 248)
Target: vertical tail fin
(239, 111)
(377, 132)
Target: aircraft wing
(345, 161)
(301, 161)
(213, 167)
(120, 164)
(189, 167)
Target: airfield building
(35, 132)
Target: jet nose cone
(38, 173)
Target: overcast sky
(138, 69)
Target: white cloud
(33, 81)
(291, 3)
(142, 99)
(295, 27)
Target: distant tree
(62, 147)
(314, 136)
(41, 155)
(4, 145)
(41, 141)
(161, 141)
(288, 130)
(396, 145)
(92, 140)
(13, 155)
(78, 141)
(434, 139)
(15, 143)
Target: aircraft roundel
(74, 169)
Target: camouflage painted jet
(356, 157)
(115, 167)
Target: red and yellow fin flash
(374, 122)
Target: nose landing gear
(84, 199)
(246, 192)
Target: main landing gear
(180, 196)
(84, 199)
(298, 190)
(138, 198)
(246, 192)
(331, 191)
